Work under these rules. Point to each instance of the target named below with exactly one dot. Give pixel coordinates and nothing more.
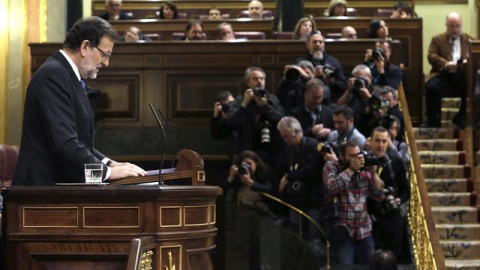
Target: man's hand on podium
(125, 169)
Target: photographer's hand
(318, 72)
(217, 108)
(380, 64)
(451, 66)
(246, 179)
(329, 156)
(368, 56)
(247, 97)
(233, 171)
(283, 183)
(368, 144)
(261, 101)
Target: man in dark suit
(58, 127)
(448, 53)
(114, 11)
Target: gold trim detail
(179, 216)
(110, 207)
(213, 210)
(196, 206)
(146, 260)
(201, 176)
(42, 208)
(170, 257)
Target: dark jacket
(325, 117)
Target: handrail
(140, 256)
(427, 250)
(327, 243)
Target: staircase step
(462, 264)
(447, 123)
(439, 144)
(442, 157)
(460, 249)
(446, 171)
(452, 198)
(450, 185)
(449, 113)
(436, 133)
(454, 214)
(451, 102)
(458, 231)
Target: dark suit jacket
(58, 128)
(305, 119)
(439, 52)
(122, 16)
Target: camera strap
(379, 170)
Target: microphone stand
(174, 147)
(164, 143)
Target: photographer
(395, 148)
(316, 119)
(252, 116)
(389, 226)
(377, 108)
(383, 71)
(348, 187)
(301, 184)
(327, 68)
(244, 208)
(358, 91)
(218, 123)
(390, 94)
(291, 87)
(344, 129)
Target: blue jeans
(349, 250)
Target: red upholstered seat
(267, 14)
(8, 161)
(282, 35)
(384, 12)
(252, 35)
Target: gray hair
(362, 67)
(388, 89)
(290, 124)
(305, 64)
(249, 70)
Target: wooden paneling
(42, 233)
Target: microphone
(164, 143)
(174, 147)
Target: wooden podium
(90, 227)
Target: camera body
(225, 108)
(324, 148)
(329, 70)
(387, 121)
(259, 92)
(377, 52)
(244, 169)
(360, 82)
(292, 75)
(371, 160)
(377, 103)
(389, 204)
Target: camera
(265, 132)
(292, 75)
(371, 160)
(244, 169)
(377, 52)
(324, 148)
(329, 70)
(389, 204)
(259, 92)
(387, 121)
(225, 108)
(360, 82)
(377, 103)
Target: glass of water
(93, 173)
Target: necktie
(84, 86)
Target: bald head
(255, 9)
(349, 32)
(454, 25)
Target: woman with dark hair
(305, 26)
(336, 8)
(168, 10)
(378, 29)
(248, 176)
(383, 260)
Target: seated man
(114, 11)
(347, 189)
(349, 32)
(133, 34)
(225, 31)
(193, 31)
(448, 53)
(316, 120)
(383, 71)
(214, 14)
(255, 9)
(344, 129)
(327, 68)
(254, 116)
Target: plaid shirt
(352, 193)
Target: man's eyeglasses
(105, 55)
